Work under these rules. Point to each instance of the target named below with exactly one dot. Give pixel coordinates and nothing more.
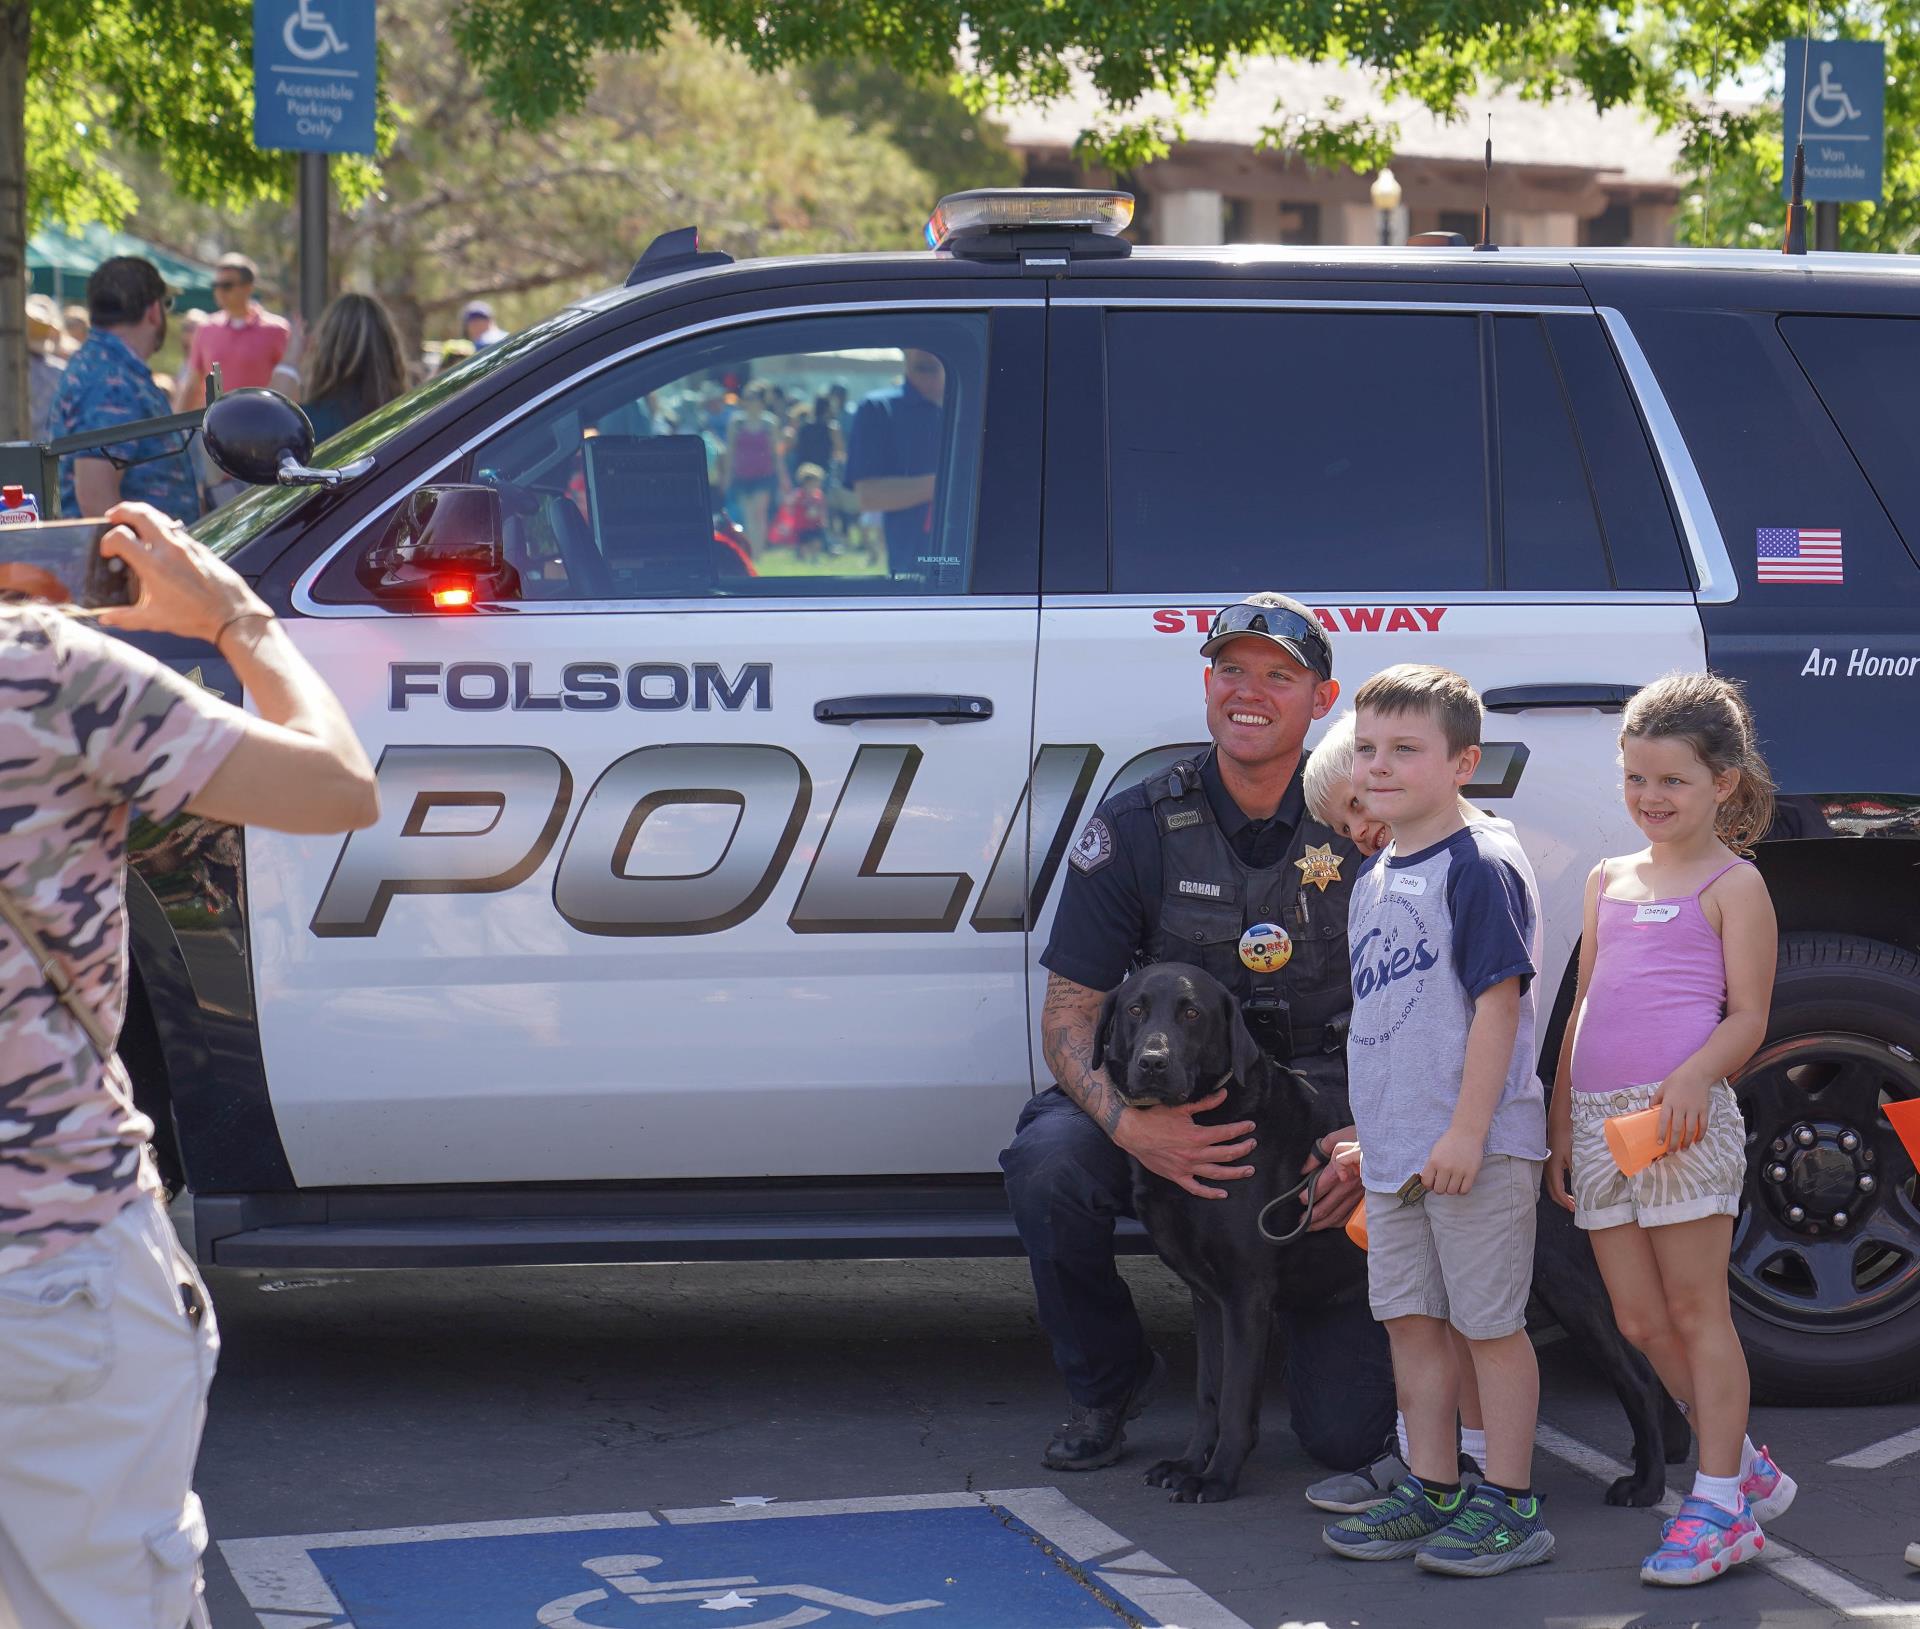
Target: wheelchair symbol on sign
(721, 1596)
(1828, 95)
(308, 34)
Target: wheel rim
(1829, 1237)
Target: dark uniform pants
(1068, 1184)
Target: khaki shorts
(1704, 1179)
(1465, 1257)
(103, 1392)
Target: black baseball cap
(1279, 620)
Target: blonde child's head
(1327, 782)
(1710, 715)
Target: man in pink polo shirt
(246, 340)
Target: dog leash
(1308, 1183)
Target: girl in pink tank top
(1676, 975)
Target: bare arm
(298, 767)
(1749, 940)
(1167, 1141)
(191, 391)
(1559, 1180)
(883, 494)
(1067, 1021)
(96, 485)
(1457, 1156)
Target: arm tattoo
(1066, 1031)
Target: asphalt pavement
(745, 1445)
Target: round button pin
(1265, 947)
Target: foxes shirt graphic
(1428, 934)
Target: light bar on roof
(991, 209)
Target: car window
(250, 514)
(819, 456)
(1323, 450)
(1864, 369)
(1642, 538)
(1550, 527)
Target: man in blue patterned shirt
(107, 382)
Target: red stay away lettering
(1335, 619)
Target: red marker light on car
(452, 599)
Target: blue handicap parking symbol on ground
(1019, 1559)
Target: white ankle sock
(1400, 1431)
(1474, 1445)
(1723, 1491)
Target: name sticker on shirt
(1407, 882)
(1656, 913)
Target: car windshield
(248, 515)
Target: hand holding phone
(60, 561)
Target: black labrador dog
(1171, 1034)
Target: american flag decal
(1799, 554)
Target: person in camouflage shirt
(107, 1337)
(89, 728)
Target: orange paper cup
(1634, 1140)
(1905, 1117)
(1357, 1223)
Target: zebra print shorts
(1705, 1179)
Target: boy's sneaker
(1701, 1542)
(1393, 1527)
(1913, 1555)
(1353, 1491)
(1767, 1488)
(1488, 1535)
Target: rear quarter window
(1865, 370)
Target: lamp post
(1385, 193)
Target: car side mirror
(445, 548)
(260, 437)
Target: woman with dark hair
(353, 364)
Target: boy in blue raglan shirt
(1444, 930)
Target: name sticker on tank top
(1407, 882)
(1656, 913)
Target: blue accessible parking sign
(1837, 101)
(314, 75)
(1019, 1559)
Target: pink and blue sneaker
(1768, 1489)
(1701, 1542)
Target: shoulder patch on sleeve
(1093, 848)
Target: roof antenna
(1796, 243)
(1486, 206)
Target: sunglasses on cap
(1277, 623)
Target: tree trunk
(16, 31)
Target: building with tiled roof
(1564, 173)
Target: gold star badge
(1320, 866)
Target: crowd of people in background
(90, 367)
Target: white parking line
(1810, 1577)
(1876, 1454)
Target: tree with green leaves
(528, 218)
(175, 78)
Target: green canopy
(59, 263)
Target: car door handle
(895, 709)
(1522, 698)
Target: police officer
(1176, 869)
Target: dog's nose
(1153, 1055)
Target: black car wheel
(1826, 1251)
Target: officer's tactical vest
(1211, 897)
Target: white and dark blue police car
(717, 848)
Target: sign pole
(314, 204)
(1826, 226)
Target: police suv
(716, 852)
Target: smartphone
(60, 561)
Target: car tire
(1830, 1313)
